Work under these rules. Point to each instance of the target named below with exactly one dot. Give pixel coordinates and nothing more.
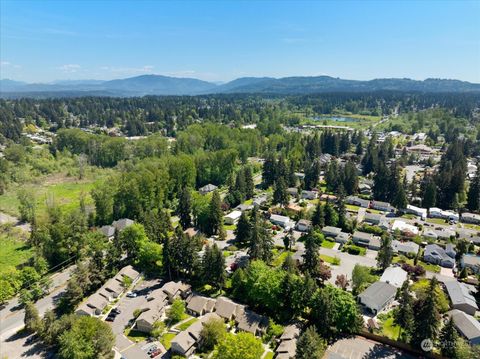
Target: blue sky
(223, 40)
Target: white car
(131, 295)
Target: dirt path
(6, 218)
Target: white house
(232, 217)
(404, 227)
(282, 221)
(417, 211)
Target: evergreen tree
(261, 243)
(385, 254)
(310, 345)
(269, 170)
(280, 194)
(429, 194)
(318, 218)
(185, 208)
(448, 339)
(215, 214)
(311, 257)
(350, 178)
(331, 216)
(249, 184)
(213, 266)
(243, 230)
(473, 198)
(427, 317)
(403, 315)
(400, 198)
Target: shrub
(353, 250)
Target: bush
(231, 248)
(176, 312)
(353, 250)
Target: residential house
(342, 237)
(282, 221)
(472, 262)
(188, 340)
(382, 206)
(121, 224)
(461, 296)
(373, 218)
(329, 231)
(357, 201)
(449, 249)
(304, 225)
(395, 276)
(310, 195)
(470, 218)
(227, 309)
(365, 189)
(435, 254)
(417, 211)
(199, 305)
(93, 305)
(108, 231)
(366, 240)
(292, 191)
(129, 272)
(146, 320)
(435, 212)
(232, 217)
(176, 290)
(405, 228)
(378, 296)
(259, 201)
(244, 207)
(467, 326)
(207, 188)
(251, 322)
(405, 248)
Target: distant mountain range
(164, 85)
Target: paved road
(11, 317)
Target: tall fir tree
(318, 218)
(280, 194)
(311, 257)
(249, 184)
(243, 230)
(385, 254)
(473, 198)
(403, 315)
(215, 214)
(185, 208)
(427, 318)
(448, 340)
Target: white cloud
(70, 68)
(5, 63)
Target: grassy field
(64, 190)
(436, 220)
(328, 244)
(14, 251)
(279, 258)
(428, 266)
(329, 259)
(166, 339)
(186, 324)
(389, 329)
(135, 335)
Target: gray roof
(208, 188)
(467, 325)
(249, 321)
(460, 294)
(330, 229)
(290, 332)
(226, 308)
(376, 217)
(363, 235)
(394, 276)
(471, 260)
(108, 231)
(123, 223)
(434, 250)
(198, 303)
(129, 272)
(405, 247)
(378, 293)
(287, 346)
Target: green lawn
(14, 251)
(436, 220)
(166, 339)
(328, 244)
(135, 335)
(390, 330)
(64, 190)
(351, 207)
(428, 266)
(331, 260)
(230, 227)
(280, 258)
(186, 324)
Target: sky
(43, 41)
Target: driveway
(361, 348)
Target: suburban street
(11, 318)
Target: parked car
(155, 353)
(116, 311)
(110, 318)
(131, 295)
